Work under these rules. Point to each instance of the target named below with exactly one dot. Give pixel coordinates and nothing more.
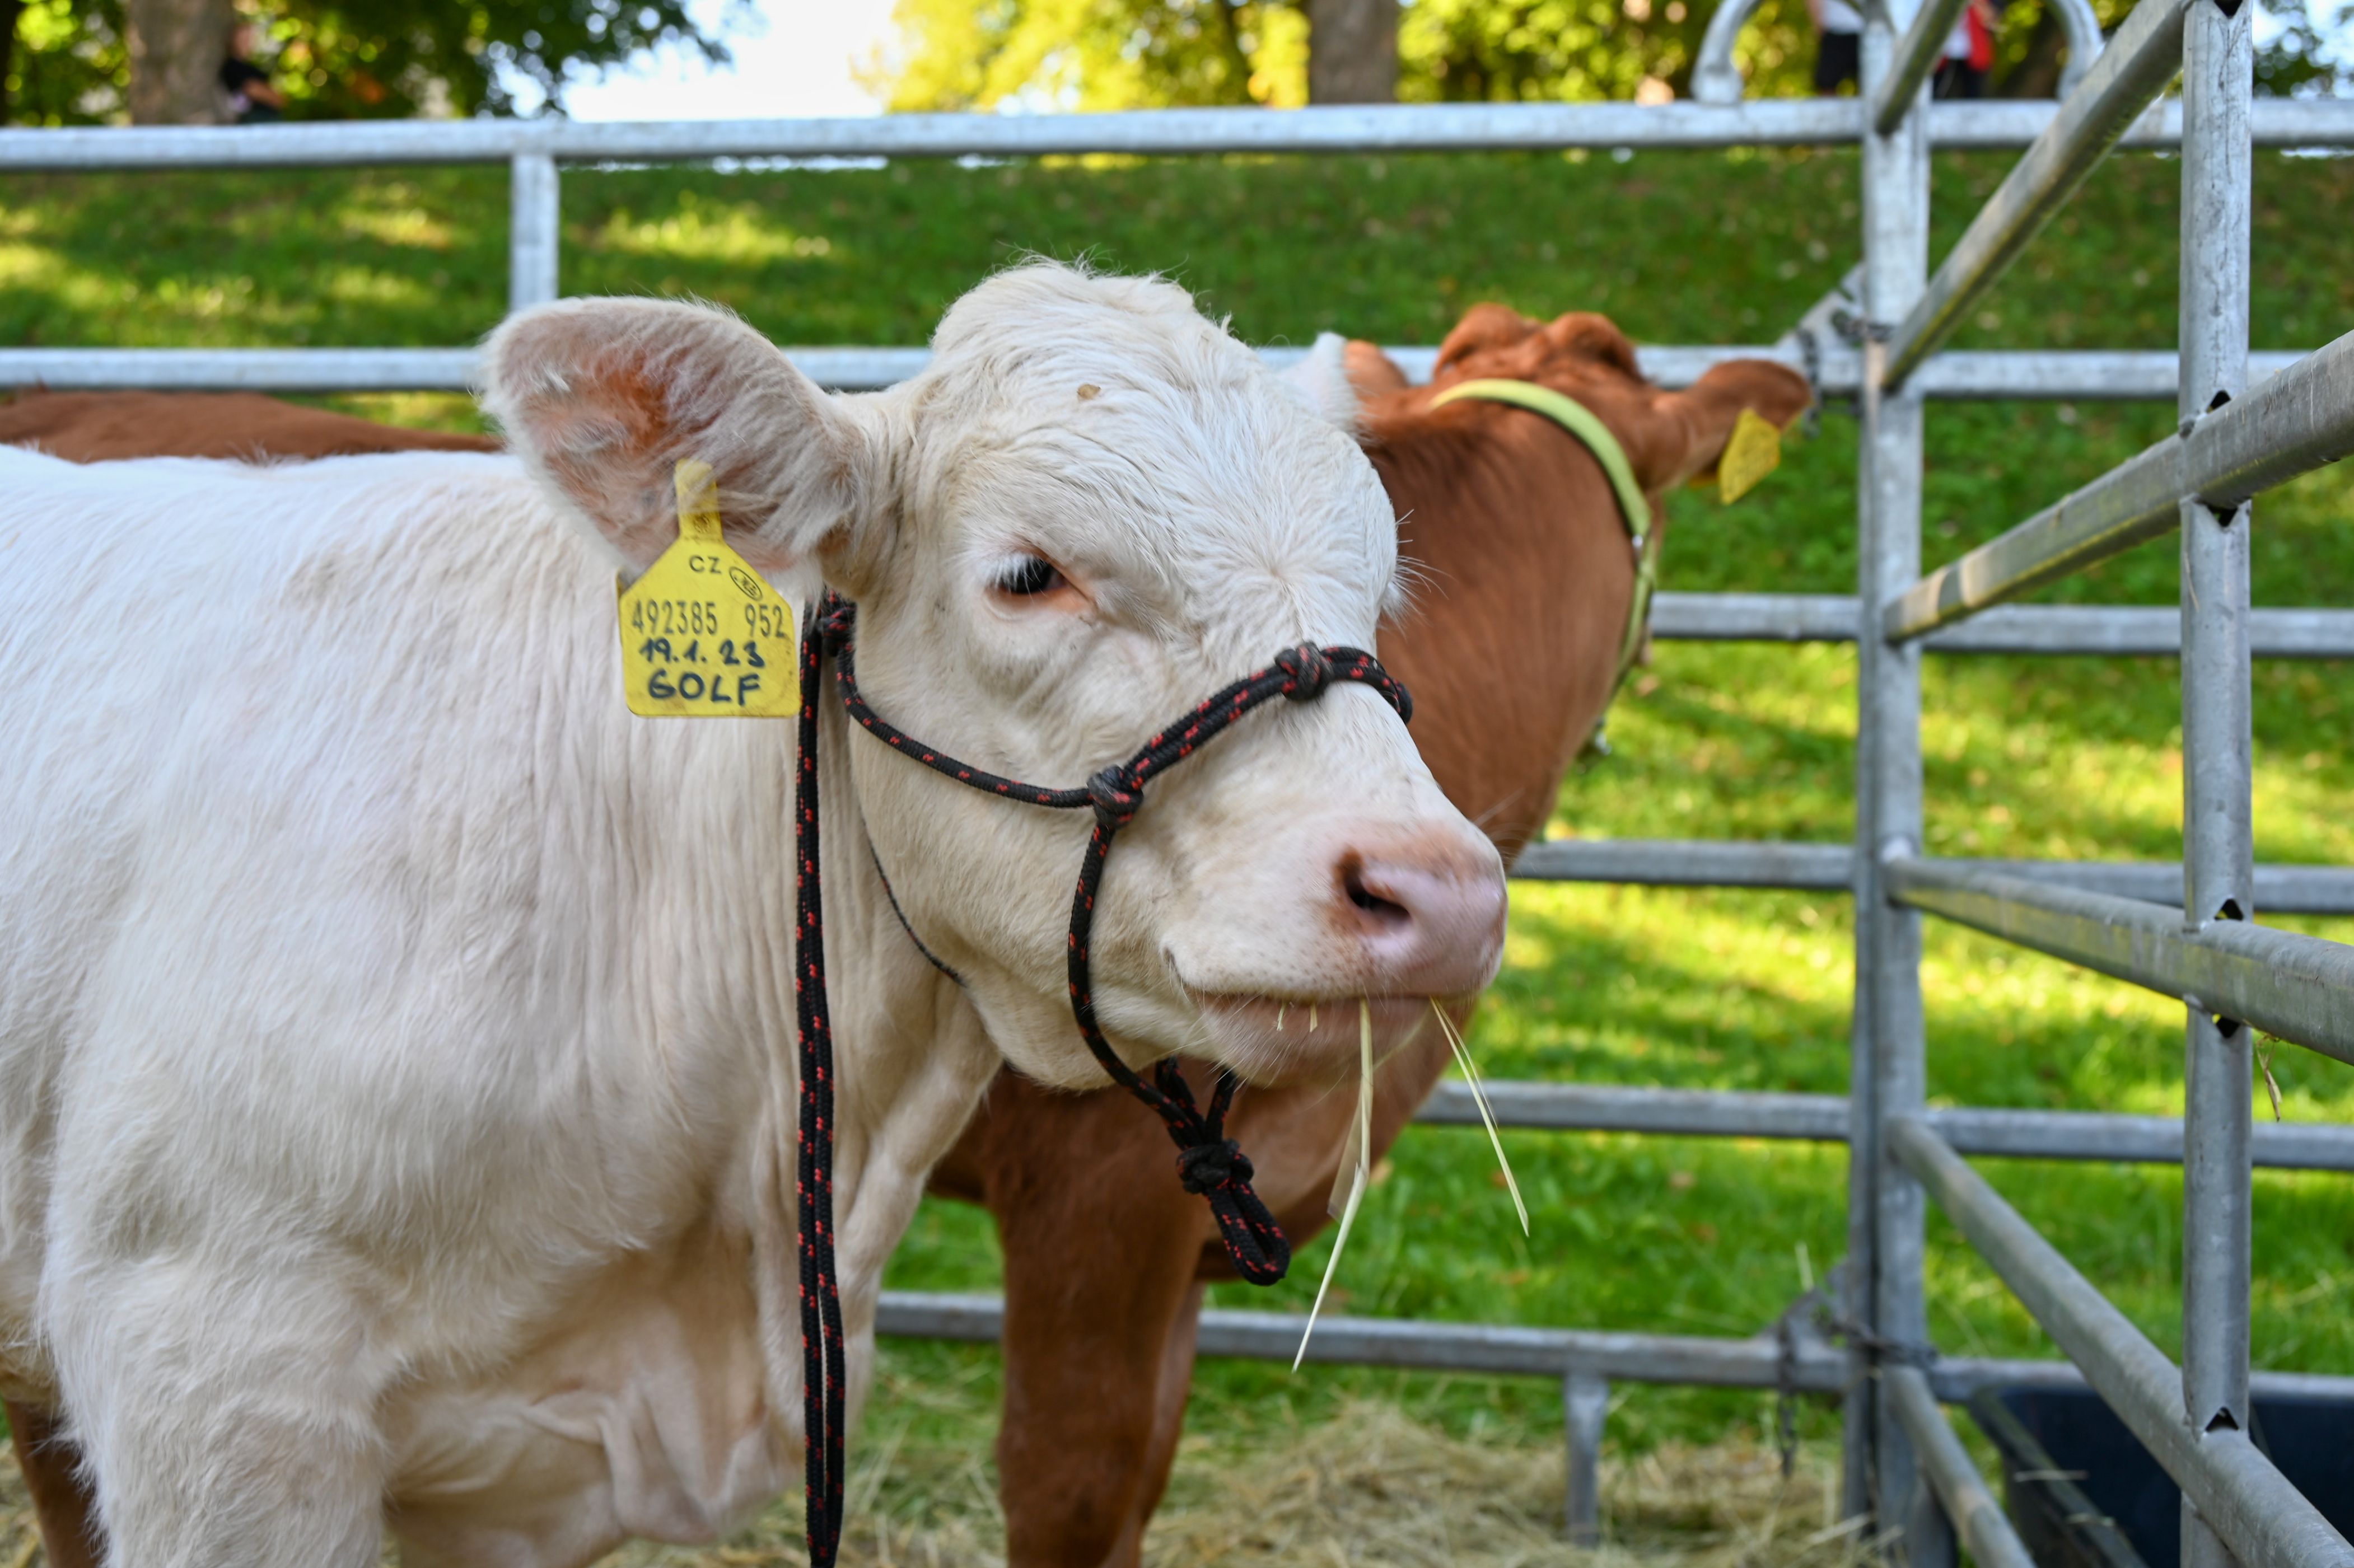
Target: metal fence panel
(1823, 1119)
(1389, 128)
(2293, 423)
(2298, 988)
(1688, 863)
(1751, 1362)
(1918, 53)
(853, 368)
(2053, 629)
(2218, 747)
(1828, 868)
(2132, 70)
(1977, 1518)
(2266, 1521)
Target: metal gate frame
(1904, 1465)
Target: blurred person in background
(1962, 73)
(251, 100)
(1970, 53)
(1838, 44)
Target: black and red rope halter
(1208, 1162)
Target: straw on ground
(1369, 1488)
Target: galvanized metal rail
(1963, 376)
(1977, 1517)
(1165, 133)
(1831, 868)
(2292, 424)
(1506, 1350)
(1716, 79)
(1823, 1119)
(2107, 630)
(1917, 54)
(2133, 69)
(2248, 421)
(2298, 988)
(2263, 1519)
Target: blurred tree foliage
(1091, 53)
(1128, 54)
(353, 58)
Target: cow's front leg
(226, 1414)
(1167, 1421)
(67, 1514)
(1100, 1262)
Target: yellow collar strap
(1633, 510)
(1580, 422)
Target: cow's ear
(1705, 413)
(603, 397)
(1485, 327)
(1321, 378)
(1373, 373)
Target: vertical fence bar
(2218, 847)
(1890, 1062)
(534, 206)
(1585, 1401)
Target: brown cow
(1510, 649)
(97, 427)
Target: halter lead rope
(1208, 1162)
(824, 1382)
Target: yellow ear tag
(702, 636)
(1754, 452)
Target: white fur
(397, 1079)
(1321, 376)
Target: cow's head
(1094, 509)
(1668, 437)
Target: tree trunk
(2037, 75)
(177, 48)
(1353, 51)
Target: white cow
(396, 1085)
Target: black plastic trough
(2084, 1493)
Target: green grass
(1707, 989)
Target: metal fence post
(1889, 1063)
(534, 207)
(1585, 1401)
(2218, 848)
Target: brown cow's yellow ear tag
(1754, 452)
(702, 635)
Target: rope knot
(1206, 1167)
(1309, 669)
(836, 619)
(1115, 797)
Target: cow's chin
(1274, 1042)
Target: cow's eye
(1028, 576)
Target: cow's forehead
(1107, 419)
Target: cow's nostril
(1353, 882)
(1429, 924)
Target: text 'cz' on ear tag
(1753, 450)
(702, 635)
